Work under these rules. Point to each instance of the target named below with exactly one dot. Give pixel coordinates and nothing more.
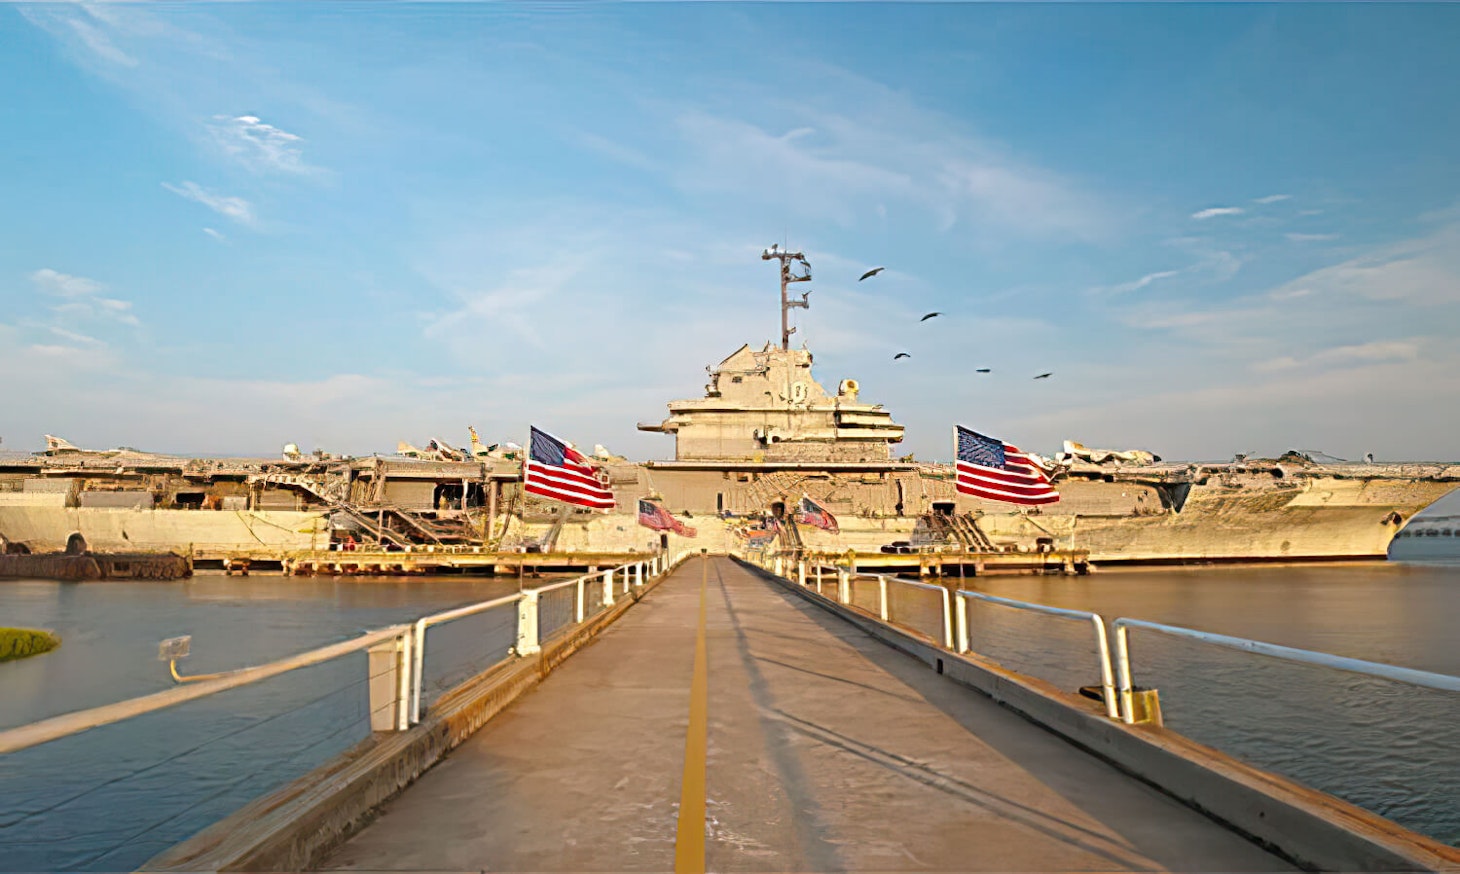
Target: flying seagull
(983, 370)
(929, 316)
(873, 272)
(1044, 376)
(901, 355)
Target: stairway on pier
(825, 749)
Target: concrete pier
(822, 749)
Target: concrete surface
(827, 750)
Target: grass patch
(19, 643)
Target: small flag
(812, 513)
(994, 470)
(553, 469)
(653, 515)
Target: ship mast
(788, 259)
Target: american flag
(812, 513)
(553, 469)
(653, 515)
(994, 470)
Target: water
(111, 798)
(1388, 747)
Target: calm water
(1385, 746)
(111, 798)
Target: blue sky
(1224, 228)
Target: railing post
(418, 668)
(947, 619)
(843, 586)
(1122, 664)
(801, 573)
(962, 624)
(1107, 684)
(388, 679)
(780, 570)
(882, 596)
(579, 612)
(527, 629)
(608, 588)
(639, 574)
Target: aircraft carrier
(765, 434)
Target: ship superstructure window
(737, 379)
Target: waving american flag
(653, 515)
(553, 469)
(992, 469)
(812, 513)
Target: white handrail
(1102, 645)
(943, 590)
(418, 656)
(1414, 677)
(81, 720)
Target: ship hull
(206, 534)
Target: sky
(1224, 228)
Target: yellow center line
(689, 841)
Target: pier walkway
(798, 741)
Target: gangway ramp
(824, 749)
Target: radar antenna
(790, 261)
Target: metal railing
(1102, 645)
(394, 673)
(57, 727)
(1413, 677)
(1118, 697)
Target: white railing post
(947, 619)
(843, 586)
(388, 678)
(579, 612)
(962, 624)
(882, 596)
(780, 570)
(418, 668)
(608, 588)
(1122, 664)
(639, 574)
(801, 573)
(527, 626)
(404, 672)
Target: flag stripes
(996, 471)
(555, 470)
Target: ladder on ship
(791, 536)
(963, 529)
(371, 521)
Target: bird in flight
(929, 316)
(984, 370)
(1044, 376)
(901, 355)
(873, 272)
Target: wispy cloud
(65, 285)
(215, 234)
(1310, 238)
(260, 146)
(81, 298)
(840, 167)
(1137, 284)
(1360, 353)
(99, 43)
(235, 208)
(1215, 211)
(74, 336)
(1272, 198)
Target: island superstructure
(765, 433)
